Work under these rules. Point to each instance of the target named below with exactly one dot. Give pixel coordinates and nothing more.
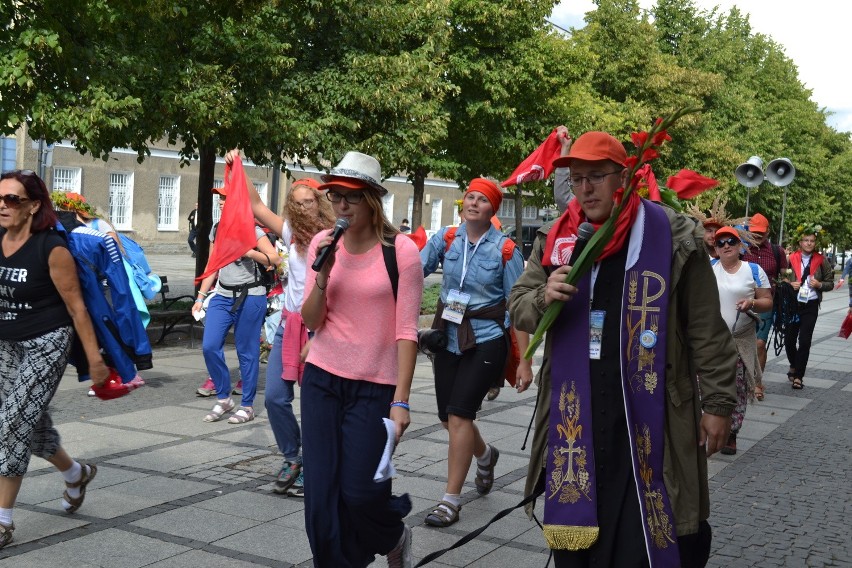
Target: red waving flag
(687, 184)
(235, 235)
(539, 164)
(419, 237)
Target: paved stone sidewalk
(173, 491)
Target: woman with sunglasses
(358, 370)
(744, 290)
(41, 306)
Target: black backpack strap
(389, 254)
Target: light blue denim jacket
(487, 280)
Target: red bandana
(563, 235)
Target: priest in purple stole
(638, 380)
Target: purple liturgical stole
(570, 510)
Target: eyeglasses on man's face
(13, 201)
(351, 197)
(595, 178)
(732, 241)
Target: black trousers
(803, 331)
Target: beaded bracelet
(401, 404)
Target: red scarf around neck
(563, 236)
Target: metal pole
(783, 208)
(748, 195)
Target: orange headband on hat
(489, 189)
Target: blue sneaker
(291, 473)
(298, 488)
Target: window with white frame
(67, 179)
(262, 191)
(437, 204)
(217, 183)
(8, 148)
(387, 205)
(410, 213)
(121, 200)
(456, 216)
(530, 212)
(507, 208)
(168, 197)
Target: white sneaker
(400, 557)
(92, 392)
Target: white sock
(454, 498)
(73, 473)
(72, 477)
(484, 460)
(6, 516)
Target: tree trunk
(419, 183)
(519, 217)
(207, 168)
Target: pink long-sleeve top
(358, 338)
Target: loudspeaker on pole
(780, 172)
(750, 174)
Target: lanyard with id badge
(805, 288)
(457, 301)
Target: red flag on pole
(539, 164)
(235, 235)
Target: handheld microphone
(322, 255)
(584, 233)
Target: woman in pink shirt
(358, 371)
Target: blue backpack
(148, 282)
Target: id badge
(804, 292)
(596, 323)
(455, 306)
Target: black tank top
(30, 305)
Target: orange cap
(593, 146)
(730, 231)
(758, 224)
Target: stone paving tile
(280, 543)
(177, 457)
(198, 524)
(112, 547)
(196, 558)
(33, 526)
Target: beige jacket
(700, 352)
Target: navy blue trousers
(349, 518)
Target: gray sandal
(222, 407)
(443, 515)
(484, 482)
(6, 534)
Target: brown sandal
(87, 475)
(797, 383)
(443, 515)
(758, 392)
(485, 481)
(6, 534)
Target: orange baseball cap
(730, 231)
(593, 146)
(758, 224)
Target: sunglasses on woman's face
(13, 201)
(729, 241)
(351, 197)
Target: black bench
(165, 312)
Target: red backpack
(508, 246)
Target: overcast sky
(814, 35)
